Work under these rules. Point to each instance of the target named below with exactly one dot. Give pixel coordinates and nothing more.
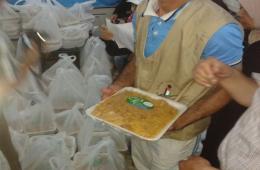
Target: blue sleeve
(226, 45)
(134, 25)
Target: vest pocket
(167, 89)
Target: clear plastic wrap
(65, 61)
(88, 137)
(38, 119)
(95, 160)
(94, 59)
(40, 149)
(94, 85)
(61, 163)
(4, 165)
(9, 21)
(69, 121)
(45, 22)
(19, 141)
(67, 89)
(75, 35)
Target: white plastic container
(75, 35)
(180, 107)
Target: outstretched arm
(211, 72)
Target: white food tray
(179, 106)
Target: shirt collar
(152, 7)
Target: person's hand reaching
(109, 91)
(195, 163)
(105, 34)
(210, 71)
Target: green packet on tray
(140, 103)
(154, 116)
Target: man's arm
(211, 71)
(222, 48)
(125, 79)
(207, 105)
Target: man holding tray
(172, 36)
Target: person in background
(240, 148)
(171, 37)
(7, 83)
(122, 14)
(223, 121)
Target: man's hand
(109, 91)
(180, 123)
(210, 71)
(114, 18)
(195, 163)
(105, 34)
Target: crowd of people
(171, 38)
(202, 52)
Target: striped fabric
(240, 150)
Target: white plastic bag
(119, 139)
(94, 59)
(20, 54)
(32, 88)
(69, 121)
(38, 119)
(45, 22)
(80, 10)
(123, 34)
(19, 141)
(88, 137)
(9, 21)
(14, 104)
(65, 62)
(70, 143)
(27, 10)
(40, 149)
(85, 135)
(75, 35)
(8, 64)
(4, 165)
(67, 88)
(61, 163)
(95, 160)
(94, 85)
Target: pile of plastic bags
(4, 165)
(47, 120)
(60, 27)
(9, 21)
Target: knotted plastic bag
(14, 104)
(95, 160)
(67, 89)
(19, 141)
(94, 85)
(69, 121)
(61, 163)
(40, 149)
(94, 59)
(88, 137)
(45, 22)
(9, 21)
(81, 11)
(65, 61)
(38, 119)
(4, 165)
(75, 35)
